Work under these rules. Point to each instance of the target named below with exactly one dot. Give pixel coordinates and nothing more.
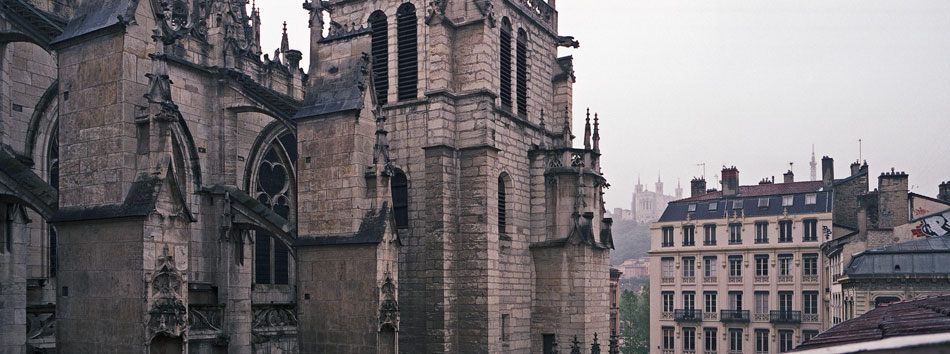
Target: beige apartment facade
(739, 271)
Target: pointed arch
(504, 63)
(407, 52)
(378, 25)
(504, 188)
(399, 187)
(521, 51)
(272, 182)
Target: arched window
(504, 63)
(399, 185)
(522, 74)
(274, 187)
(406, 51)
(380, 51)
(503, 204)
(52, 166)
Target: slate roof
(241, 197)
(141, 200)
(279, 103)
(372, 229)
(925, 315)
(923, 256)
(748, 198)
(91, 16)
(340, 88)
(28, 181)
(42, 25)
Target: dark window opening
(504, 64)
(399, 186)
(522, 73)
(273, 189)
(262, 259)
(52, 163)
(406, 52)
(502, 207)
(380, 52)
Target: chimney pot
(697, 187)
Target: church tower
(813, 164)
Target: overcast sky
(748, 83)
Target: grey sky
(749, 83)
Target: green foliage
(631, 240)
(635, 320)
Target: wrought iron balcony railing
(787, 316)
(687, 315)
(734, 315)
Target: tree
(635, 318)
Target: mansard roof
(923, 256)
(339, 87)
(748, 199)
(920, 316)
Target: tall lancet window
(522, 73)
(52, 165)
(502, 205)
(274, 188)
(399, 186)
(380, 51)
(504, 63)
(406, 43)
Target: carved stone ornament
(388, 308)
(167, 312)
(487, 8)
(182, 17)
(435, 10)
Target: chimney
(697, 187)
(828, 171)
(893, 182)
(293, 58)
(789, 176)
(892, 200)
(944, 193)
(855, 168)
(730, 181)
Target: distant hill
(631, 240)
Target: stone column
(234, 290)
(13, 278)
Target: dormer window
(691, 208)
(737, 204)
(763, 202)
(788, 200)
(811, 199)
(713, 206)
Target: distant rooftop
(762, 190)
(923, 256)
(753, 201)
(921, 316)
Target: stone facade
(165, 187)
(648, 206)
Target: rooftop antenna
(860, 150)
(704, 169)
(790, 165)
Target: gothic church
(165, 187)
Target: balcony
(783, 279)
(688, 315)
(760, 317)
(689, 280)
(667, 280)
(735, 279)
(710, 280)
(810, 278)
(764, 279)
(666, 316)
(810, 317)
(779, 316)
(734, 316)
(710, 316)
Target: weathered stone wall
(846, 199)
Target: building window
(810, 262)
(785, 340)
(504, 63)
(808, 334)
(689, 231)
(380, 51)
(689, 300)
(761, 265)
(811, 230)
(710, 337)
(667, 301)
(406, 51)
(691, 208)
(788, 200)
(274, 189)
(811, 199)
(710, 302)
(689, 339)
(810, 302)
(761, 341)
(521, 51)
(735, 300)
(668, 236)
(881, 300)
(763, 202)
(737, 204)
(668, 338)
(502, 206)
(785, 231)
(689, 267)
(735, 340)
(735, 234)
(735, 266)
(666, 266)
(761, 232)
(505, 324)
(784, 264)
(713, 206)
(709, 266)
(785, 303)
(399, 186)
(52, 163)
(761, 302)
(709, 235)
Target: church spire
(284, 43)
(814, 165)
(587, 131)
(596, 133)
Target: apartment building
(738, 270)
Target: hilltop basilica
(166, 188)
